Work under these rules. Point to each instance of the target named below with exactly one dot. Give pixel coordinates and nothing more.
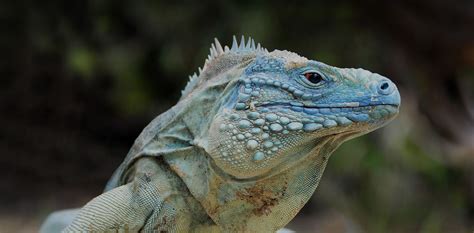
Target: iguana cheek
(249, 143)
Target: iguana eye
(313, 77)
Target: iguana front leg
(148, 203)
(118, 209)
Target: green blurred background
(81, 79)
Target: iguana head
(277, 108)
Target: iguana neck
(268, 197)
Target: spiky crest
(217, 53)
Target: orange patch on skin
(178, 171)
(293, 65)
(262, 199)
(293, 60)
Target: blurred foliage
(80, 79)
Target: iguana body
(244, 148)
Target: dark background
(80, 79)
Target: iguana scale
(244, 148)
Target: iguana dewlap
(244, 148)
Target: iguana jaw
(255, 143)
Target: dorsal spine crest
(216, 51)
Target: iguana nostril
(385, 87)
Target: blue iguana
(244, 148)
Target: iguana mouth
(340, 112)
(355, 106)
